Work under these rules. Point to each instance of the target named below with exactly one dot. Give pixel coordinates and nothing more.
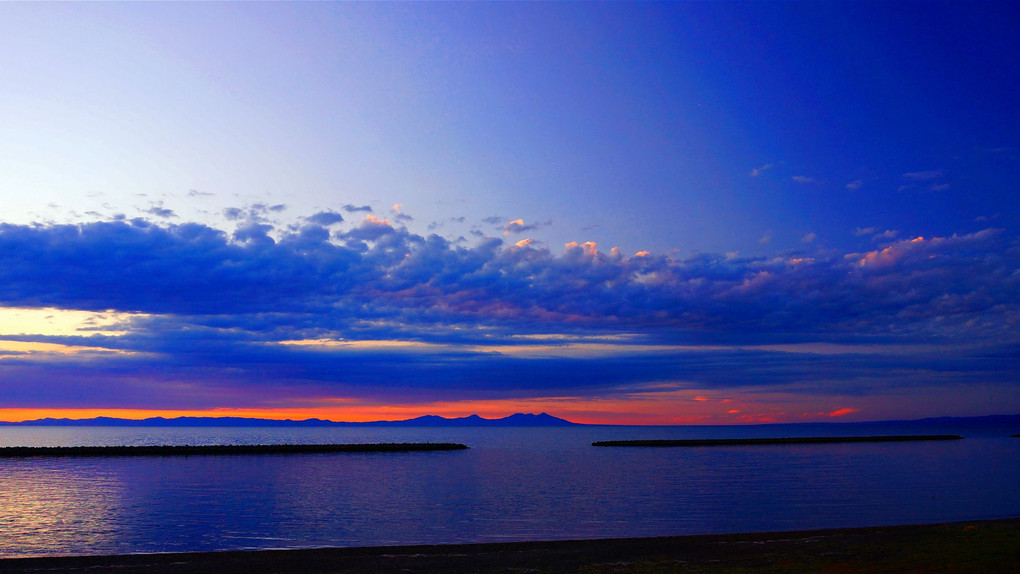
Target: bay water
(512, 484)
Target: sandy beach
(977, 546)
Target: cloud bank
(372, 313)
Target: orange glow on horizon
(656, 409)
(24, 414)
(22, 349)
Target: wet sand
(979, 546)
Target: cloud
(371, 228)
(399, 215)
(254, 234)
(325, 218)
(254, 212)
(875, 234)
(349, 208)
(803, 179)
(759, 170)
(517, 226)
(174, 268)
(841, 412)
(160, 212)
(207, 312)
(440, 224)
(588, 248)
(854, 185)
(923, 175)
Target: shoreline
(970, 546)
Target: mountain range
(514, 420)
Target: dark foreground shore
(982, 546)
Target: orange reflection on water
(51, 507)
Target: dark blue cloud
(216, 306)
(326, 218)
(161, 212)
(931, 288)
(195, 368)
(350, 208)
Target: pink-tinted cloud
(841, 412)
(517, 226)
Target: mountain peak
(530, 419)
(516, 419)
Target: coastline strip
(782, 440)
(974, 546)
(179, 450)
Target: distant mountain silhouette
(515, 420)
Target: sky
(622, 213)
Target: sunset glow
(621, 213)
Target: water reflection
(513, 484)
(46, 505)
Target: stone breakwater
(178, 450)
(783, 440)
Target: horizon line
(479, 417)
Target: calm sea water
(513, 484)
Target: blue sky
(658, 212)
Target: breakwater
(178, 450)
(782, 440)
